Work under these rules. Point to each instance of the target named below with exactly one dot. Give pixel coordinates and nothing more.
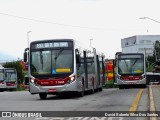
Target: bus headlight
(72, 79)
(119, 76)
(32, 80)
(142, 77)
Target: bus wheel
(92, 90)
(81, 94)
(43, 96)
(100, 89)
(144, 86)
(121, 87)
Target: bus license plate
(131, 83)
(52, 90)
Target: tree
(156, 52)
(18, 67)
(153, 62)
(150, 63)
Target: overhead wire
(49, 22)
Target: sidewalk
(154, 97)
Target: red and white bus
(131, 69)
(8, 79)
(59, 65)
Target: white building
(139, 44)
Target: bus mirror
(77, 59)
(25, 56)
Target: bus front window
(51, 62)
(130, 66)
(40, 62)
(10, 77)
(62, 61)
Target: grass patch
(20, 89)
(110, 84)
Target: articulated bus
(59, 65)
(8, 79)
(131, 70)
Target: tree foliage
(18, 67)
(152, 61)
(156, 52)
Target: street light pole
(153, 43)
(28, 37)
(90, 42)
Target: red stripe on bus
(130, 77)
(52, 82)
(10, 84)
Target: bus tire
(121, 87)
(144, 86)
(43, 96)
(92, 90)
(100, 89)
(81, 93)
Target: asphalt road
(107, 100)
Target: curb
(151, 103)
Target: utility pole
(90, 42)
(28, 37)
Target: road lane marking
(136, 101)
(151, 102)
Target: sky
(104, 22)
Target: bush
(110, 84)
(20, 88)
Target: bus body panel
(139, 82)
(54, 89)
(75, 86)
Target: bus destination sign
(10, 70)
(50, 45)
(130, 56)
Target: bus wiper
(58, 55)
(41, 59)
(133, 64)
(126, 64)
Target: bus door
(85, 69)
(98, 69)
(114, 71)
(102, 70)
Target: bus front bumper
(53, 89)
(138, 82)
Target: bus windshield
(10, 76)
(44, 62)
(1, 75)
(131, 66)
